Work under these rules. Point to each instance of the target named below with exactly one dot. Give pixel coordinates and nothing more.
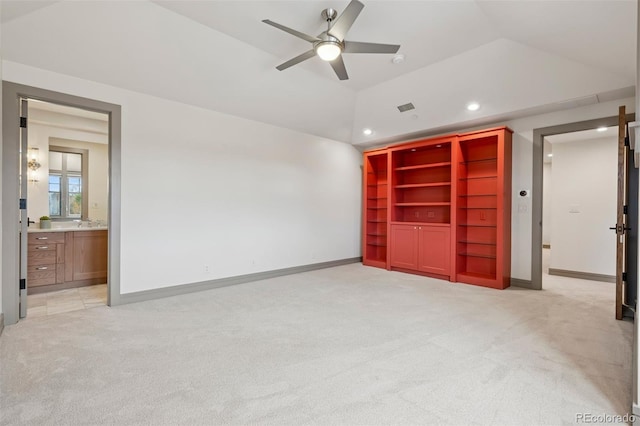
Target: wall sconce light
(33, 164)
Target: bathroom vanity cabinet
(65, 259)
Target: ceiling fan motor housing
(329, 14)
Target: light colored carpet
(347, 345)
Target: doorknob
(620, 229)
(29, 222)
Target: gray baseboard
(176, 290)
(582, 275)
(1, 323)
(517, 282)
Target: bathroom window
(67, 183)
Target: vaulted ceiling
(513, 57)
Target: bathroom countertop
(70, 229)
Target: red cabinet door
(404, 246)
(434, 250)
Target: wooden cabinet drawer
(38, 275)
(34, 248)
(43, 238)
(43, 257)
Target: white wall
(546, 203)
(583, 197)
(200, 188)
(69, 134)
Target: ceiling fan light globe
(328, 51)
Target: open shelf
(479, 177)
(484, 243)
(478, 208)
(441, 206)
(480, 222)
(375, 214)
(423, 166)
(480, 160)
(421, 204)
(487, 256)
(422, 185)
(472, 275)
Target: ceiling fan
(330, 44)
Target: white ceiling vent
(406, 107)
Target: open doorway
(579, 206)
(623, 292)
(67, 199)
(15, 189)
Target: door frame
(536, 188)
(11, 94)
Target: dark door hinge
(23, 122)
(625, 209)
(23, 203)
(626, 141)
(624, 276)
(23, 284)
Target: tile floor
(73, 299)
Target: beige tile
(93, 289)
(36, 311)
(64, 309)
(94, 300)
(67, 300)
(63, 293)
(36, 300)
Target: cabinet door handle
(42, 238)
(42, 247)
(42, 268)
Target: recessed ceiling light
(398, 59)
(438, 146)
(602, 129)
(473, 106)
(549, 155)
(413, 150)
(367, 132)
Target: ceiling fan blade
(338, 66)
(307, 37)
(360, 47)
(291, 62)
(342, 24)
